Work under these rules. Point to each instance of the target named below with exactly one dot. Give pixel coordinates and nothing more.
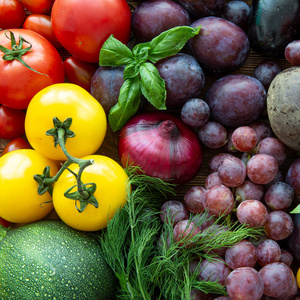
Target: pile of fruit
(150, 149)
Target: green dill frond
(129, 242)
(142, 251)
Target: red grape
(279, 196)
(242, 254)
(262, 168)
(216, 270)
(262, 130)
(274, 147)
(193, 199)
(173, 211)
(278, 279)
(279, 225)
(232, 171)
(286, 257)
(213, 232)
(194, 265)
(278, 177)
(292, 52)
(253, 213)
(268, 251)
(199, 295)
(293, 178)
(212, 179)
(216, 159)
(293, 240)
(203, 220)
(219, 200)
(244, 283)
(185, 230)
(249, 190)
(244, 138)
(229, 145)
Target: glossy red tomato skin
(79, 72)
(12, 14)
(19, 84)
(38, 6)
(15, 144)
(82, 26)
(4, 222)
(42, 25)
(11, 122)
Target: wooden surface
(109, 147)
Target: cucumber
(49, 260)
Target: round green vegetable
(49, 260)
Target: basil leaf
(114, 53)
(131, 70)
(141, 52)
(296, 210)
(153, 86)
(128, 103)
(170, 42)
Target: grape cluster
(246, 185)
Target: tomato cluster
(38, 87)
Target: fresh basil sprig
(141, 77)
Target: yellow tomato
(65, 100)
(298, 277)
(19, 199)
(111, 193)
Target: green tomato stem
(82, 163)
(17, 51)
(85, 192)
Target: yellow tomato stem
(82, 163)
(51, 180)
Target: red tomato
(4, 222)
(79, 72)
(11, 122)
(42, 24)
(38, 6)
(18, 83)
(82, 26)
(15, 144)
(12, 14)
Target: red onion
(162, 146)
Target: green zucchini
(49, 260)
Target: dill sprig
(170, 269)
(143, 254)
(129, 241)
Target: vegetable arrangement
(198, 201)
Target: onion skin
(162, 146)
